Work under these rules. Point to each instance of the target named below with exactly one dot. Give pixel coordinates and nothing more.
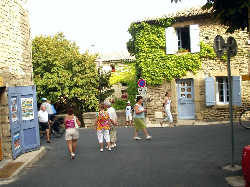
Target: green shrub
(119, 104)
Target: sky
(97, 25)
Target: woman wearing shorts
(72, 134)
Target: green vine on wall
(148, 46)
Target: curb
(36, 155)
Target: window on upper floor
(183, 39)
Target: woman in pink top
(72, 134)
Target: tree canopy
(232, 13)
(64, 75)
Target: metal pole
(230, 103)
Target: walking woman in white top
(168, 115)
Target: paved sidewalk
(26, 159)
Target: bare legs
(48, 134)
(144, 130)
(72, 147)
(69, 144)
(101, 145)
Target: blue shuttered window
(236, 90)
(210, 91)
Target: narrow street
(185, 156)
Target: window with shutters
(183, 39)
(222, 94)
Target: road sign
(232, 46)
(142, 91)
(219, 46)
(141, 83)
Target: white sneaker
(101, 150)
(148, 137)
(137, 138)
(73, 156)
(110, 149)
(114, 145)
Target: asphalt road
(185, 156)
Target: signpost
(231, 48)
(141, 83)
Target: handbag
(76, 125)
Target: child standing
(128, 114)
(102, 126)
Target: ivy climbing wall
(161, 70)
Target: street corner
(10, 170)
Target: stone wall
(239, 67)
(15, 59)
(15, 44)
(4, 124)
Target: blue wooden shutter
(236, 90)
(194, 32)
(210, 91)
(171, 40)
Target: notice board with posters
(23, 119)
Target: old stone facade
(210, 68)
(114, 66)
(15, 60)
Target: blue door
(185, 90)
(23, 119)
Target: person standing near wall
(48, 107)
(167, 110)
(128, 112)
(72, 134)
(139, 119)
(43, 119)
(113, 118)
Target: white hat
(107, 103)
(128, 102)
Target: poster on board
(17, 141)
(27, 108)
(14, 109)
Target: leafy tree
(232, 13)
(126, 75)
(64, 75)
(104, 85)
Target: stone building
(115, 63)
(202, 96)
(15, 78)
